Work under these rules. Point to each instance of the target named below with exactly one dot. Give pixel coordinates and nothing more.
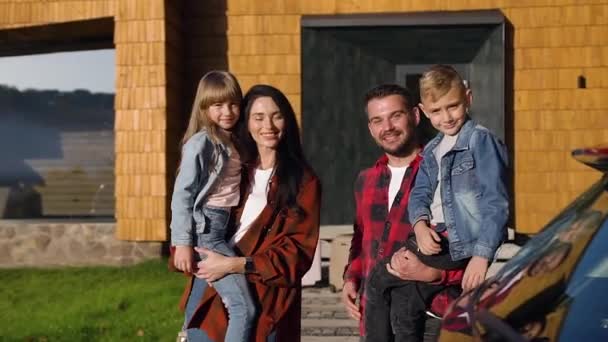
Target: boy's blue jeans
(395, 308)
(232, 288)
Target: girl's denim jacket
(200, 167)
(473, 191)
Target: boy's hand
(184, 258)
(475, 273)
(427, 239)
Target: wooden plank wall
(555, 41)
(141, 120)
(19, 13)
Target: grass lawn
(136, 303)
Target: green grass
(136, 303)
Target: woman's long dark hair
(290, 161)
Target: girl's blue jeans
(232, 288)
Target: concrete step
(507, 251)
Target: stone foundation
(69, 243)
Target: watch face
(248, 265)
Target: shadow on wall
(57, 147)
(197, 31)
(510, 116)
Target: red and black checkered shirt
(378, 232)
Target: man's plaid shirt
(378, 232)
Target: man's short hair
(385, 90)
(438, 80)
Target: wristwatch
(249, 267)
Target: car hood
(532, 285)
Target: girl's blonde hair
(216, 86)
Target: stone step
(79, 167)
(67, 162)
(330, 338)
(326, 323)
(334, 306)
(329, 331)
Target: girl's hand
(475, 273)
(427, 239)
(183, 258)
(213, 266)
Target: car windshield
(555, 286)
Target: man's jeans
(195, 334)
(232, 288)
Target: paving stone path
(324, 318)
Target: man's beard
(403, 150)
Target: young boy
(458, 206)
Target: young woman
(277, 227)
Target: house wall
(164, 47)
(551, 43)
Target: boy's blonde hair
(216, 86)
(438, 81)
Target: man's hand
(405, 265)
(475, 273)
(349, 299)
(183, 258)
(426, 238)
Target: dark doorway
(344, 56)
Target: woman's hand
(214, 266)
(183, 258)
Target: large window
(57, 135)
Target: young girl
(207, 187)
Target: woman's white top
(255, 203)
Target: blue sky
(92, 70)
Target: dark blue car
(556, 287)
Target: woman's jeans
(232, 288)
(195, 334)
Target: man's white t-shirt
(397, 174)
(255, 203)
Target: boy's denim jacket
(200, 167)
(473, 191)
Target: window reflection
(57, 148)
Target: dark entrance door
(344, 56)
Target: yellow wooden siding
(20, 13)
(554, 42)
(141, 120)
